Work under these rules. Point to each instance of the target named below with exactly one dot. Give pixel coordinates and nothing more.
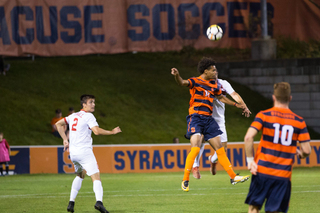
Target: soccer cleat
(70, 206)
(185, 185)
(99, 206)
(196, 172)
(239, 179)
(213, 166)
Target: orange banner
(61, 28)
(171, 158)
(43, 160)
(133, 158)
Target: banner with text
(62, 28)
(133, 158)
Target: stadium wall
(302, 74)
(62, 28)
(132, 158)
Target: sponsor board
(133, 158)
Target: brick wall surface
(302, 74)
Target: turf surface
(152, 192)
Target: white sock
(214, 158)
(197, 160)
(98, 190)
(76, 186)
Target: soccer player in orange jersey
(218, 113)
(271, 166)
(203, 91)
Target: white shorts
(86, 162)
(223, 136)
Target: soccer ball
(214, 32)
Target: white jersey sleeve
(218, 106)
(226, 86)
(92, 121)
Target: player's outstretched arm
(246, 112)
(178, 78)
(99, 131)
(226, 100)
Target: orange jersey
(281, 130)
(55, 120)
(202, 95)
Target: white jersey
(218, 106)
(80, 124)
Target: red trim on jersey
(65, 120)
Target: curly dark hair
(205, 63)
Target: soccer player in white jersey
(81, 125)
(218, 113)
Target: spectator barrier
(145, 158)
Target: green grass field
(153, 192)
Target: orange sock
(224, 161)
(189, 162)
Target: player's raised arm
(98, 131)
(239, 100)
(178, 78)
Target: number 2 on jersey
(75, 124)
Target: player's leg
(91, 166)
(222, 157)
(1, 168)
(260, 191)
(196, 164)
(98, 191)
(194, 130)
(195, 149)
(76, 185)
(212, 134)
(7, 168)
(253, 209)
(224, 161)
(214, 158)
(97, 186)
(278, 198)
(197, 159)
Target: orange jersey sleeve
(55, 120)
